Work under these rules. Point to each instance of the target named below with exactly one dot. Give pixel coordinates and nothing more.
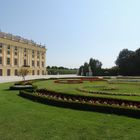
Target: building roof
(20, 39)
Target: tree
(95, 66)
(137, 61)
(85, 69)
(126, 62)
(48, 67)
(23, 72)
(80, 70)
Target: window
(15, 61)
(38, 54)
(0, 48)
(0, 60)
(38, 72)
(16, 72)
(8, 47)
(1, 45)
(33, 53)
(16, 53)
(38, 63)
(8, 61)
(42, 64)
(33, 63)
(43, 72)
(15, 48)
(33, 72)
(8, 52)
(8, 72)
(0, 72)
(24, 62)
(43, 55)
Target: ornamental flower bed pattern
(86, 99)
(79, 80)
(91, 79)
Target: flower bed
(92, 100)
(100, 104)
(91, 79)
(79, 80)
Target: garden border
(107, 93)
(52, 99)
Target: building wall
(18, 52)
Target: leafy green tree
(86, 69)
(95, 66)
(80, 70)
(126, 62)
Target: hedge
(23, 87)
(80, 105)
(108, 93)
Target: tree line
(54, 70)
(127, 64)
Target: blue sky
(75, 30)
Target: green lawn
(22, 119)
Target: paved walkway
(4, 79)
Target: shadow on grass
(133, 113)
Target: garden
(76, 108)
(97, 94)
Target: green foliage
(93, 68)
(24, 83)
(60, 70)
(22, 87)
(129, 62)
(85, 69)
(114, 71)
(75, 104)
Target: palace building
(16, 52)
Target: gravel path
(4, 79)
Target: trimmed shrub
(24, 83)
(107, 93)
(81, 105)
(22, 87)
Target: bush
(108, 93)
(22, 87)
(24, 83)
(74, 104)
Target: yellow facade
(16, 52)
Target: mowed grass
(93, 86)
(22, 119)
